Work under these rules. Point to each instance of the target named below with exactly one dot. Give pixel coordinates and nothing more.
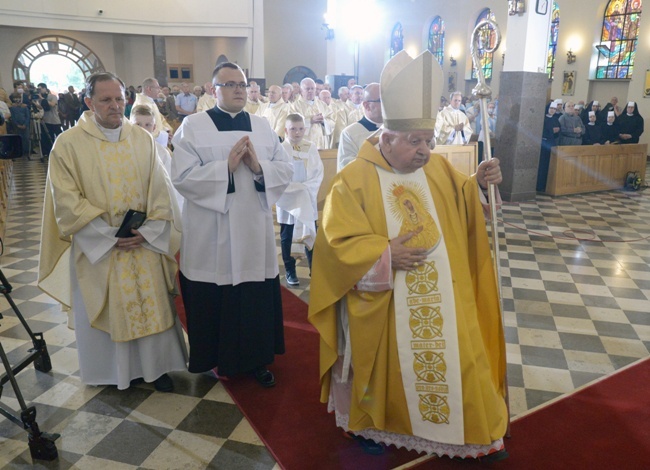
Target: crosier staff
(482, 91)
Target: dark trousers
(286, 236)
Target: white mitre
(410, 92)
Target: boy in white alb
(297, 211)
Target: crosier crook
(483, 92)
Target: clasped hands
(244, 151)
(130, 243)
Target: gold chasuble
(125, 293)
(355, 232)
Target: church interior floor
(574, 311)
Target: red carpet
(605, 426)
(289, 417)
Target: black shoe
(495, 456)
(163, 383)
(369, 446)
(292, 279)
(264, 377)
(137, 381)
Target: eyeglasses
(233, 85)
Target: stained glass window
(552, 41)
(488, 39)
(437, 38)
(618, 39)
(396, 39)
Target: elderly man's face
(570, 109)
(107, 103)
(308, 89)
(356, 95)
(344, 95)
(152, 90)
(254, 93)
(407, 151)
(325, 97)
(287, 92)
(274, 93)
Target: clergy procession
(141, 210)
(209, 171)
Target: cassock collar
(368, 124)
(225, 121)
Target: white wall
(293, 36)
(198, 31)
(163, 18)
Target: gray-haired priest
(403, 289)
(118, 287)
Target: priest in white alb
(452, 125)
(319, 118)
(118, 288)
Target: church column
(160, 60)
(522, 97)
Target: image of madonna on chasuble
(418, 361)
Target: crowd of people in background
(574, 123)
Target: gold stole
(425, 314)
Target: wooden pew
(576, 169)
(463, 157)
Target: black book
(132, 220)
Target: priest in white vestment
(356, 133)
(275, 111)
(148, 97)
(206, 101)
(452, 125)
(319, 119)
(230, 168)
(119, 289)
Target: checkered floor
(575, 310)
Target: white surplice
(218, 245)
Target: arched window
(552, 41)
(487, 42)
(64, 46)
(618, 39)
(396, 39)
(437, 39)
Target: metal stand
(35, 138)
(41, 444)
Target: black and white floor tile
(574, 311)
